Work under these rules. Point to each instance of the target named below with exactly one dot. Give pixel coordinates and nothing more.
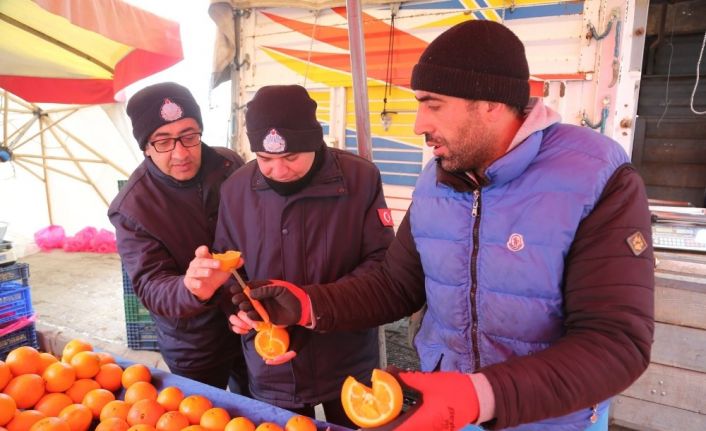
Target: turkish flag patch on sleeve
(385, 215)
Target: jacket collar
(328, 181)
(521, 152)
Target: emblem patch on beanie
(170, 111)
(274, 142)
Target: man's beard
(474, 151)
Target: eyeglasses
(168, 144)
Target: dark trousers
(333, 409)
(232, 375)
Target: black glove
(285, 303)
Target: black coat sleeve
(384, 294)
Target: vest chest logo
(515, 242)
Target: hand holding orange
(230, 260)
(271, 341)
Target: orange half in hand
(374, 407)
(229, 260)
(271, 341)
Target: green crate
(135, 312)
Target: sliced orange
(229, 260)
(374, 407)
(271, 341)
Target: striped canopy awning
(81, 51)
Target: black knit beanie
(476, 60)
(160, 104)
(282, 119)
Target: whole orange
(24, 420)
(135, 373)
(8, 408)
(52, 404)
(115, 409)
(106, 358)
(193, 407)
(87, 364)
(23, 360)
(300, 423)
(170, 397)
(74, 346)
(110, 376)
(268, 426)
(172, 421)
(240, 423)
(140, 391)
(26, 389)
(78, 416)
(80, 388)
(50, 424)
(142, 427)
(113, 424)
(145, 412)
(59, 377)
(215, 418)
(96, 399)
(5, 374)
(45, 359)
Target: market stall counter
(236, 405)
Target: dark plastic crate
(16, 271)
(26, 336)
(135, 312)
(127, 284)
(15, 302)
(142, 336)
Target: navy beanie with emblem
(282, 119)
(475, 60)
(160, 104)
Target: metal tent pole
(356, 41)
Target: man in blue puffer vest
(529, 241)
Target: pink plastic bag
(81, 241)
(50, 237)
(104, 242)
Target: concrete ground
(79, 295)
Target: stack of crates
(15, 309)
(141, 331)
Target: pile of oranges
(77, 392)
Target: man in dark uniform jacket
(168, 208)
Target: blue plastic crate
(127, 284)
(26, 336)
(15, 302)
(16, 271)
(142, 336)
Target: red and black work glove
(447, 402)
(285, 303)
